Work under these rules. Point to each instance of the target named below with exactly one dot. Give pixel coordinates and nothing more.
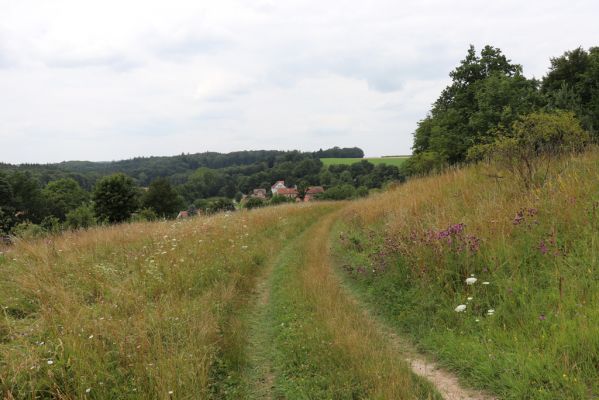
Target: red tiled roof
(315, 190)
(284, 191)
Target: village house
(312, 192)
(290, 193)
(259, 194)
(277, 186)
(183, 214)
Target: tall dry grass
(144, 310)
(410, 250)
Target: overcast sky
(107, 80)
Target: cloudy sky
(114, 79)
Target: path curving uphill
(310, 338)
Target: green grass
(396, 161)
(542, 341)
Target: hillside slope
(529, 327)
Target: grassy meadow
(498, 283)
(395, 161)
(527, 325)
(145, 310)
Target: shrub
(340, 192)
(254, 202)
(81, 217)
(533, 143)
(27, 230)
(280, 199)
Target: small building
(312, 192)
(259, 194)
(290, 193)
(183, 214)
(279, 185)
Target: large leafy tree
(28, 200)
(64, 195)
(487, 91)
(115, 198)
(162, 198)
(573, 84)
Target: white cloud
(82, 79)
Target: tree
(115, 198)
(162, 198)
(64, 195)
(486, 92)
(27, 196)
(573, 84)
(6, 194)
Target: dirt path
(377, 358)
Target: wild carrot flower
(460, 308)
(471, 281)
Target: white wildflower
(491, 312)
(469, 298)
(88, 390)
(460, 308)
(485, 283)
(50, 362)
(471, 281)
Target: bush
(340, 192)
(423, 163)
(215, 204)
(81, 217)
(533, 143)
(281, 199)
(27, 230)
(254, 202)
(145, 214)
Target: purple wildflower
(543, 248)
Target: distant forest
(81, 193)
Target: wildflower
(471, 281)
(170, 392)
(88, 390)
(485, 283)
(490, 311)
(50, 362)
(477, 320)
(460, 308)
(543, 248)
(469, 298)
(542, 317)
(519, 217)
(90, 336)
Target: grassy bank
(530, 328)
(396, 161)
(139, 310)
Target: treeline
(489, 96)
(48, 198)
(177, 168)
